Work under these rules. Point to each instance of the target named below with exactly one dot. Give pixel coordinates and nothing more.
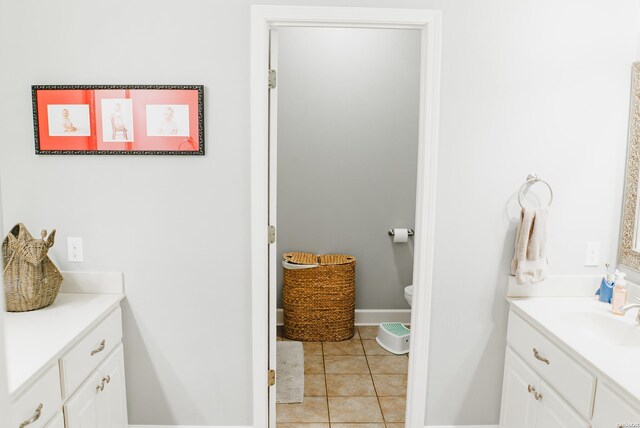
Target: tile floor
(350, 384)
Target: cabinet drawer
(562, 372)
(40, 402)
(77, 364)
(56, 422)
(610, 410)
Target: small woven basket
(319, 302)
(31, 280)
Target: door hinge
(272, 79)
(272, 234)
(272, 377)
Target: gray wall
(347, 151)
(526, 86)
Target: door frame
(263, 19)
(5, 417)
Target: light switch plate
(74, 248)
(592, 256)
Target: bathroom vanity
(65, 362)
(570, 363)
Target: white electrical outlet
(74, 248)
(592, 256)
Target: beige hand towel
(529, 264)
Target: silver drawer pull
(33, 418)
(99, 348)
(105, 380)
(540, 357)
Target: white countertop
(35, 340)
(584, 328)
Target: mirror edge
(627, 256)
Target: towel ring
(531, 180)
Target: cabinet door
(101, 401)
(611, 410)
(113, 400)
(56, 422)
(554, 412)
(82, 411)
(518, 403)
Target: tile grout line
(326, 386)
(384, 420)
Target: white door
(554, 412)
(518, 393)
(112, 401)
(273, 188)
(81, 411)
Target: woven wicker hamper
(319, 302)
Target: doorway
(347, 148)
(265, 260)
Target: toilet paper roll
(400, 236)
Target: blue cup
(605, 292)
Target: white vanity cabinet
(554, 412)
(100, 402)
(610, 409)
(546, 387)
(74, 374)
(56, 422)
(40, 402)
(529, 402)
(518, 403)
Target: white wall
(527, 86)
(348, 104)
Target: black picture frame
(69, 144)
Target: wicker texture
(319, 303)
(31, 279)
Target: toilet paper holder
(392, 233)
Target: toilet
(408, 293)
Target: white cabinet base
(56, 422)
(101, 401)
(545, 386)
(518, 404)
(554, 412)
(529, 402)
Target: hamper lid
(336, 259)
(300, 258)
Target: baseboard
(371, 316)
(462, 426)
(188, 426)
(220, 426)
(239, 426)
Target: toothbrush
(607, 275)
